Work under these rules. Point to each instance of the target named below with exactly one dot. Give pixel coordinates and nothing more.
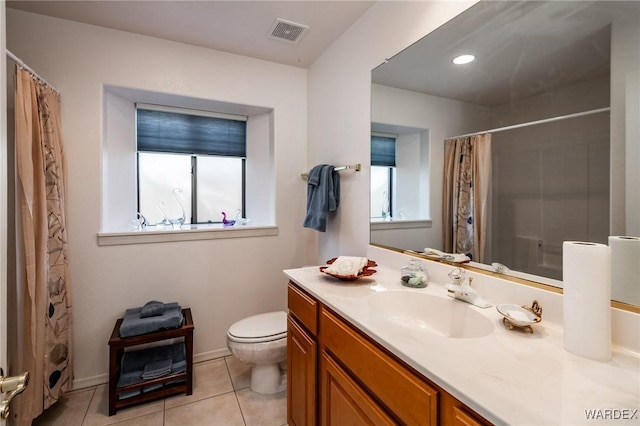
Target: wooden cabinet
(302, 355)
(409, 398)
(338, 375)
(343, 401)
(301, 375)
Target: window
(383, 172)
(119, 192)
(190, 161)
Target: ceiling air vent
(287, 31)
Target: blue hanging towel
(323, 196)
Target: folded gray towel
(130, 378)
(179, 367)
(133, 364)
(155, 369)
(151, 388)
(134, 325)
(129, 394)
(176, 382)
(135, 361)
(152, 308)
(127, 379)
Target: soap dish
(520, 316)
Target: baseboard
(102, 379)
(207, 356)
(87, 382)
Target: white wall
(221, 280)
(339, 102)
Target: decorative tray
(366, 272)
(520, 316)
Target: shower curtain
(46, 310)
(467, 176)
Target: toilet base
(267, 379)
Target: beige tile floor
(221, 396)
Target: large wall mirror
(557, 87)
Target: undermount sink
(426, 312)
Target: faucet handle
(457, 275)
(470, 281)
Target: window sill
(186, 233)
(400, 224)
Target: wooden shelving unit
(117, 347)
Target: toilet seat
(260, 328)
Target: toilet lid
(260, 328)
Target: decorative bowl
(366, 272)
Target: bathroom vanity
(375, 352)
(341, 376)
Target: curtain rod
(533, 123)
(21, 64)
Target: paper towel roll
(586, 270)
(625, 269)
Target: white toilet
(261, 340)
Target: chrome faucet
(461, 291)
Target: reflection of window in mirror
(383, 170)
(399, 173)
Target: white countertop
(508, 377)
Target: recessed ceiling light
(463, 59)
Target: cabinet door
(455, 413)
(463, 418)
(343, 402)
(301, 376)
(411, 400)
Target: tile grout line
(86, 411)
(235, 393)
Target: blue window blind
(162, 131)
(383, 151)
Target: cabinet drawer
(405, 395)
(303, 307)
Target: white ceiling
(539, 45)
(232, 26)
